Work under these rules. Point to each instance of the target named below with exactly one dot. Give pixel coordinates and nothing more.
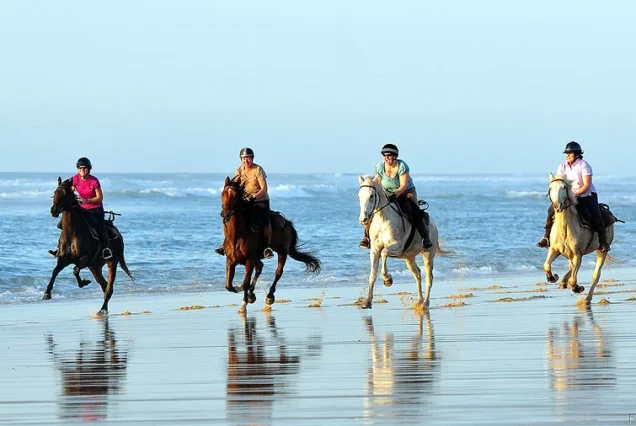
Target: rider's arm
(99, 196)
(404, 181)
(587, 182)
(262, 183)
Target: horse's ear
(59, 181)
(227, 180)
(360, 180)
(377, 179)
(551, 177)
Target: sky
(490, 86)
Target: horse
(389, 235)
(244, 247)
(77, 246)
(570, 239)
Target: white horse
(568, 238)
(389, 233)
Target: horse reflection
(579, 355)
(258, 371)
(401, 371)
(90, 376)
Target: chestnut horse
(77, 246)
(245, 247)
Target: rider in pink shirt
(579, 172)
(91, 199)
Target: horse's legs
(386, 277)
(547, 265)
(429, 261)
(258, 268)
(564, 281)
(230, 269)
(575, 264)
(61, 264)
(81, 264)
(282, 258)
(248, 294)
(373, 274)
(600, 260)
(107, 286)
(411, 264)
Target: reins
(377, 201)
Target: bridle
(71, 203)
(568, 203)
(377, 209)
(231, 209)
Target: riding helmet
(83, 162)
(573, 147)
(389, 148)
(247, 152)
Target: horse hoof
(100, 314)
(366, 305)
(578, 289)
(389, 282)
(270, 300)
(552, 279)
(231, 289)
(84, 283)
(47, 296)
(251, 298)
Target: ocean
(171, 225)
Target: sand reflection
(579, 355)
(89, 375)
(402, 371)
(259, 367)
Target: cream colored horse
(570, 239)
(388, 233)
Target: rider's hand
(392, 198)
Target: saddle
(606, 213)
(91, 222)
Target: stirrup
(365, 244)
(220, 251)
(427, 244)
(107, 254)
(604, 248)
(268, 253)
(55, 252)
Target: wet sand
(513, 353)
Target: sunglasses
(83, 168)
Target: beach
(488, 351)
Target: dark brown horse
(77, 245)
(244, 247)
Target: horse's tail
(312, 263)
(122, 260)
(441, 252)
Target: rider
(397, 182)
(579, 172)
(90, 199)
(253, 179)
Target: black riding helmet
(83, 162)
(389, 148)
(246, 152)
(573, 147)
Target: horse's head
(371, 196)
(231, 198)
(63, 197)
(560, 194)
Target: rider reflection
(579, 356)
(258, 370)
(88, 378)
(401, 371)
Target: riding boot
(603, 246)
(267, 236)
(55, 252)
(106, 253)
(365, 243)
(220, 250)
(422, 228)
(545, 241)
